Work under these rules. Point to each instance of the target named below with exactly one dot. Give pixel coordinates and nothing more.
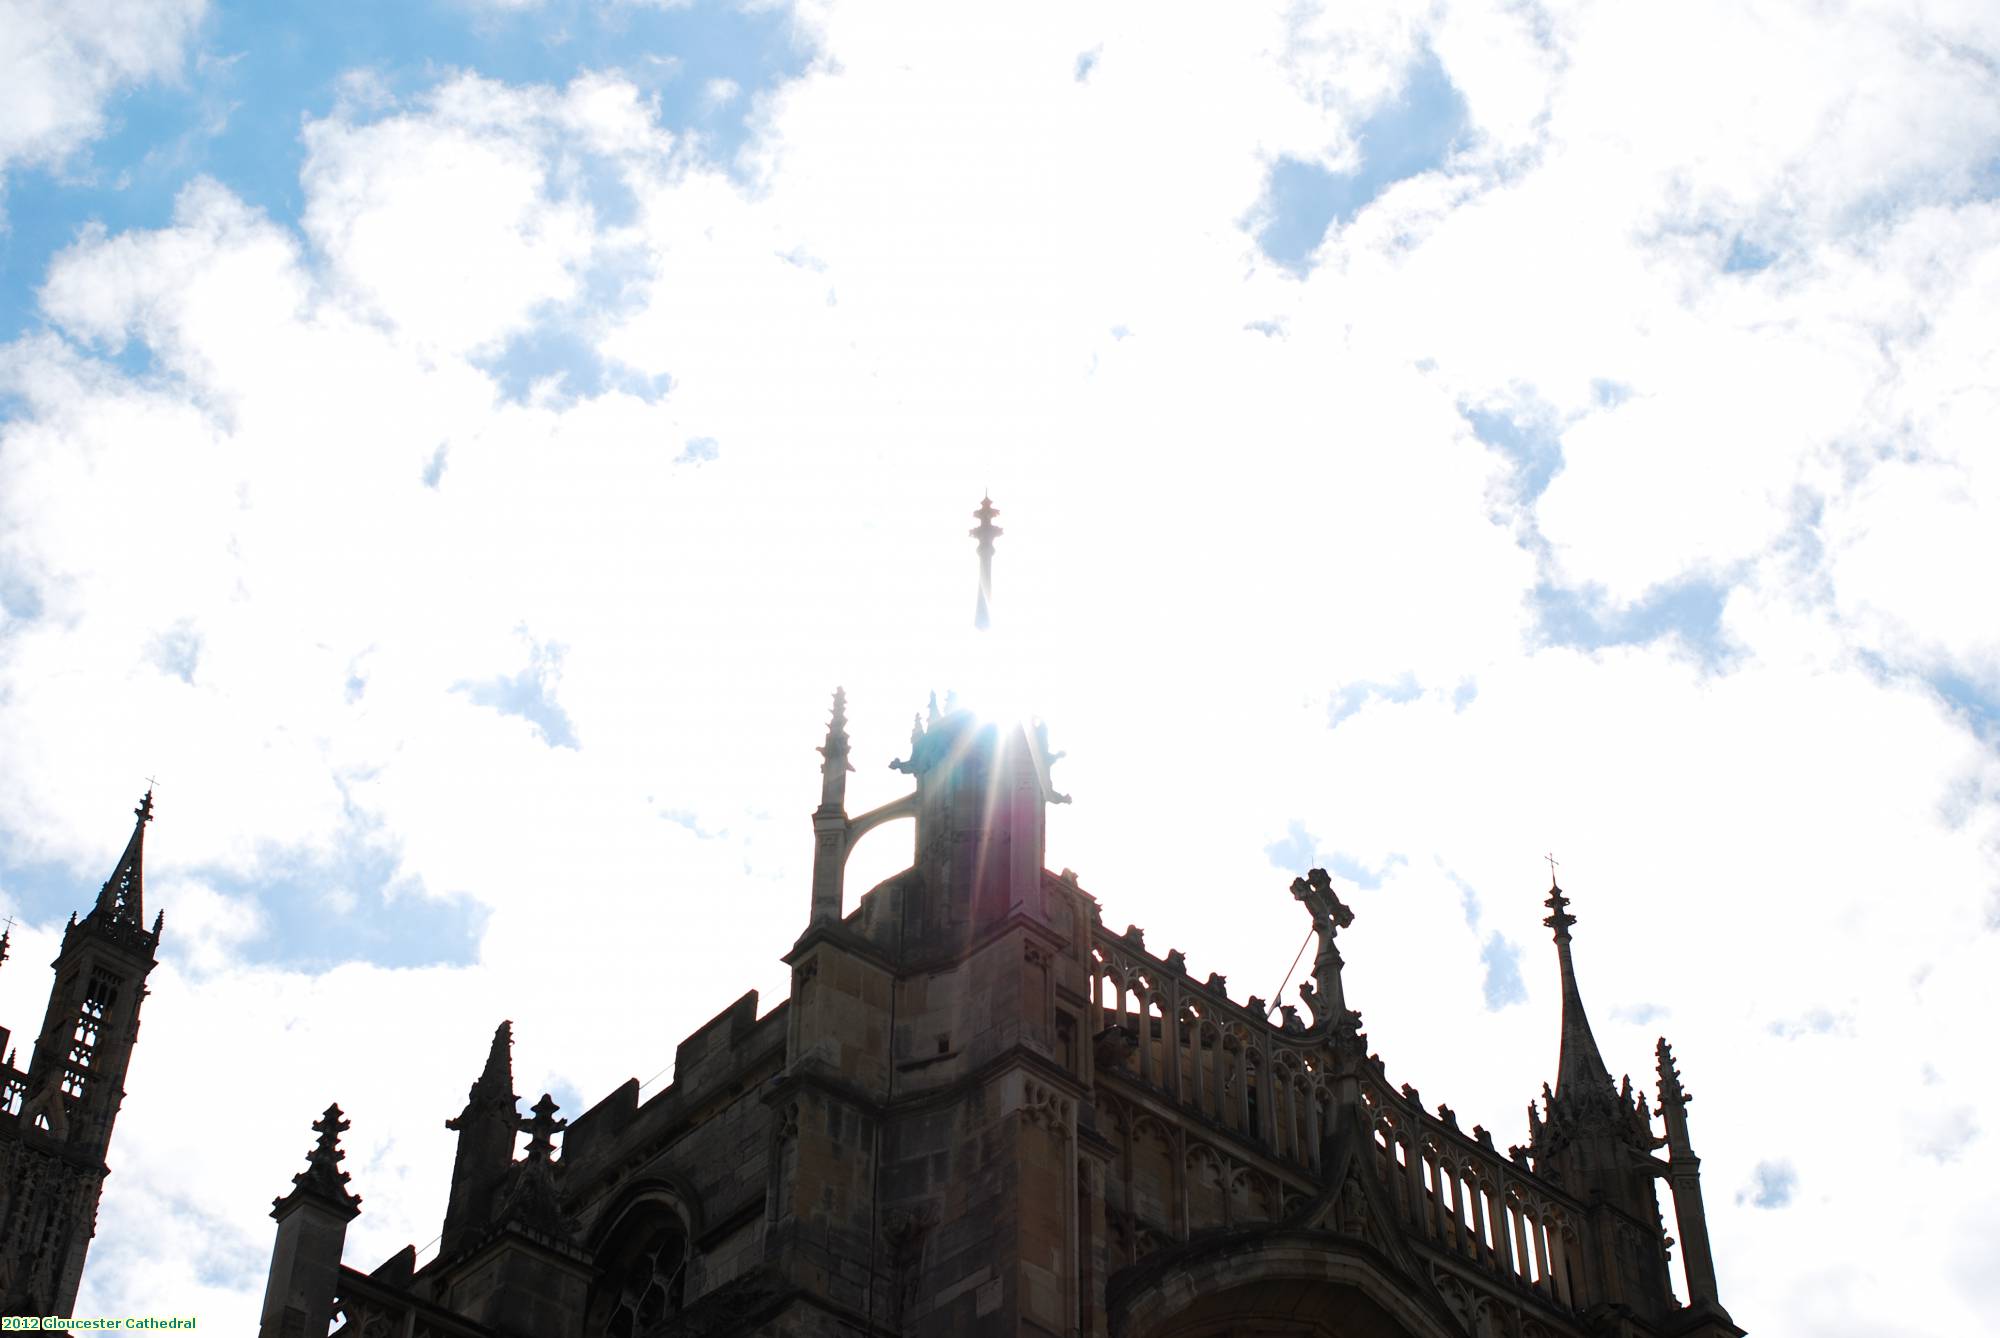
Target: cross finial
(986, 533)
(330, 1126)
(1552, 868)
(541, 1130)
(1559, 918)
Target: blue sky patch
(1408, 135)
(1503, 985)
(1294, 852)
(260, 71)
(353, 905)
(1584, 618)
(434, 469)
(1771, 1185)
(1359, 874)
(177, 651)
(1353, 696)
(1814, 1022)
(1298, 850)
(1468, 899)
(1970, 702)
(46, 891)
(528, 695)
(318, 909)
(1529, 438)
(1747, 257)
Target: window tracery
(643, 1273)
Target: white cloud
(62, 61)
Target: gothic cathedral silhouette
(982, 1111)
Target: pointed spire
(986, 533)
(323, 1179)
(1671, 1092)
(122, 900)
(497, 1078)
(833, 770)
(6, 940)
(494, 1087)
(1580, 1067)
(486, 1131)
(1684, 1176)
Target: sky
(457, 447)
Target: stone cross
(986, 534)
(542, 1129)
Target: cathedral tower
(56, 1116)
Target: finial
(6, 938)
(323, 1177)
(329, 1126)
(1559, 918)
(1330, 915)
(542, 1128)
(833, 770)
(1671, 1092)
(986, 533)
(144, 813)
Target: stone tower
(981, 1110)
(56, 1117)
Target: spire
(1684, 1176)
(833, 771)
(1580, 1068)
(122, 901)
(494, 1087)
(986, 533)
(323, 1179)
(486, 1129)
(497, 1078)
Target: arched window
(642, 1272)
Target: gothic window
(642, 1273)
(98, 1000)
